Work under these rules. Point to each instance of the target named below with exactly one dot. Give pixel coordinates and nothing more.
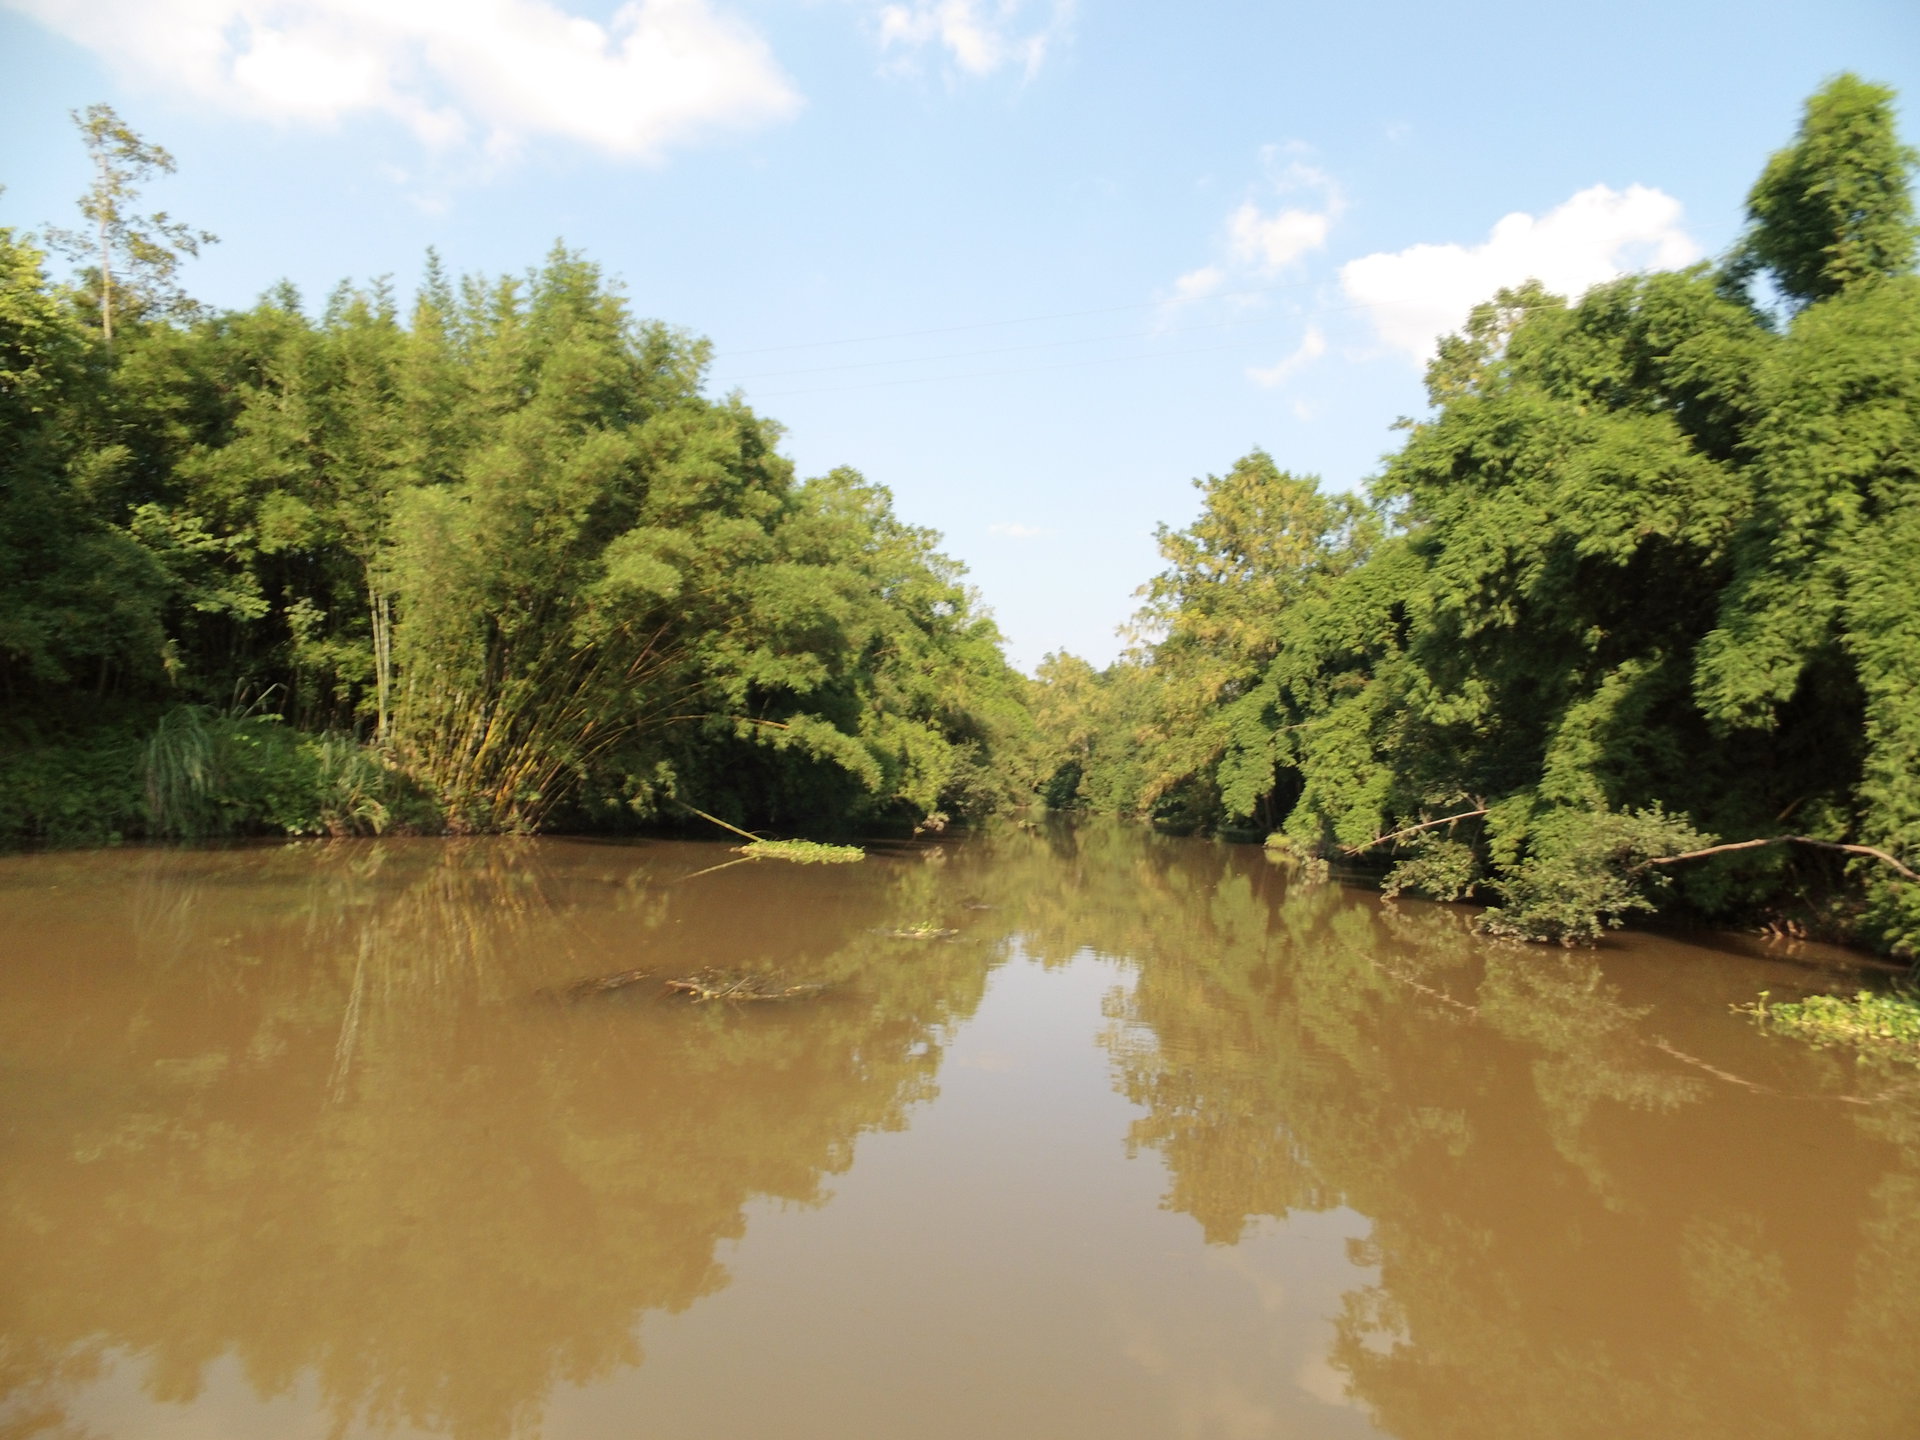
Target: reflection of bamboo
(724, 865)
(1661, 1045)
(1753, 1085)
(349, 1026)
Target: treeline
(490, 561)
(1646, 581)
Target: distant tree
(146, 249)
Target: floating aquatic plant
(803, 852)
(1885, 1024)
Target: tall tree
(146, 249)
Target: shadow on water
(301, 1109)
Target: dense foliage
(1643, 579)
(493, 563)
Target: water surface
(1162, 1141)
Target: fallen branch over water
(1867, 850)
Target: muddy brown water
(1162, 1142)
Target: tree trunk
(106, 265)
(381, 606)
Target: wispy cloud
(1015, 532)
(1416, 295)
(1289, 215)
(1198, 284)
(1311, 347)
(977, 36)
(660, 74)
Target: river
(1091, 1133)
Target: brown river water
(1160, 1141)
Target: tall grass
(208, 774)
(356, 793)
(184, 776)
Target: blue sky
(1032, 264)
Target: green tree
(1638, 581)
(501, 540)
(79, 597)
(1215, 615)
(1833, 208)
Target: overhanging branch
(1411, 830)
(1867, 850)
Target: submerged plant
(735, 985)
(925, 930)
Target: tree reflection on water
(346, 1140)
(1580, 1226)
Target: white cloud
(979, 36)
(1423, 292)
(659, 74)
(1016, 532)
(1311, 347)
(1272, 242)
